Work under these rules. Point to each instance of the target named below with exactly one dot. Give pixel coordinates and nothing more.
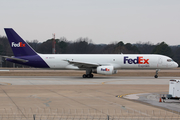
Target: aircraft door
(160, 62)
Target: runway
(74, 80)
(61, 94)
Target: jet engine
(105, 70)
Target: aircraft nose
(175, 64)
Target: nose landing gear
(156, 75)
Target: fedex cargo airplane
(106, 64)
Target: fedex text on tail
(20, 44)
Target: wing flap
(82, 64)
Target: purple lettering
(138, 60)
(125, 59)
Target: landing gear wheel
(156, 76)
(89, 75)
(84, 76)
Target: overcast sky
(103, 21)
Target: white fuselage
(118, 61)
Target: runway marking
(124, 95)
(121, 96)
(103, 82)
(4, 83)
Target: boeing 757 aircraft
(106, 64)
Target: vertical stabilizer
(18, 45)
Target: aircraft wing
(17, 59)
(82, 64)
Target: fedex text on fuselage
(138, 60)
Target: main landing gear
(156, 75)
(88, 74)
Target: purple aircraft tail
(18, 45)
(23, 53)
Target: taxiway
(32, 94)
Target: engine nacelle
(105, 70)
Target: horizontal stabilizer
(17, 59)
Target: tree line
(86, 46)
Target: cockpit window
(169, 60)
